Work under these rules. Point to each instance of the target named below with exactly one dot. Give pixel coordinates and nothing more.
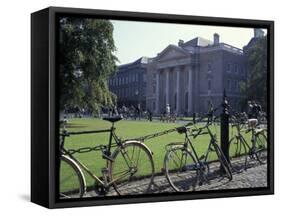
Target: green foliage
(255, 88)
(86, 58)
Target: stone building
(187, 76)
(192, 74)
(129, 83)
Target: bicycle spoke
(137, 162)
(175, 161)
(124, 174)
(131, 163)
(180, 169)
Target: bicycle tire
(183, 177)
(140, 175)
(69, 172)
(260, 150)
(240, 151)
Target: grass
(128, 129)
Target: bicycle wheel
(181, 169)
(225, 165)
(72, 182)
(260, 148)
(132, 169)
(241, 152)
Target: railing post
(225, 127)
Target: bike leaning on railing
(183, 167)
(257, 148)
(130, 160)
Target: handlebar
(199, 132)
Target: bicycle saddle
(112, 119)
(181, 130)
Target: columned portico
(178, 90)
(167, 86)
(171, 88)
(183, 72)
(157, 91)
(190, 90)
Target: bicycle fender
(136, 141)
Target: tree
(255, 87)
(86, 60)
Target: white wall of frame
(15, 107)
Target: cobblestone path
(254, 176)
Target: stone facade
(191, 75)
(187, 76)
(129, 83)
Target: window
(242, 71)
(154, 105)
(154, 76)
(235, 68)
(236, 85)
(228, 84)
(228, 68)
(154, 89)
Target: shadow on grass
(73, 125)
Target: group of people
(130, 112)
(167, 115)
(75, 112)
(254, 111)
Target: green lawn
(128, 129)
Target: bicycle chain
(85, 149)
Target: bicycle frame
(106, 154)
(211, 143)
(243, 140)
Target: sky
(135, 39)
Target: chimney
(216, 39)
(180, 43)
(258, 33)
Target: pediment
(171, 52)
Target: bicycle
(184, 168)
(257, 149)
(130, 161)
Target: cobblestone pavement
(254, 176)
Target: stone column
(167, 87)
(190, 90)
(157, 91)
(178, 91)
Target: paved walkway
(254, 176)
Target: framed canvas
(138, 107)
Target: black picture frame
(44, 105)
